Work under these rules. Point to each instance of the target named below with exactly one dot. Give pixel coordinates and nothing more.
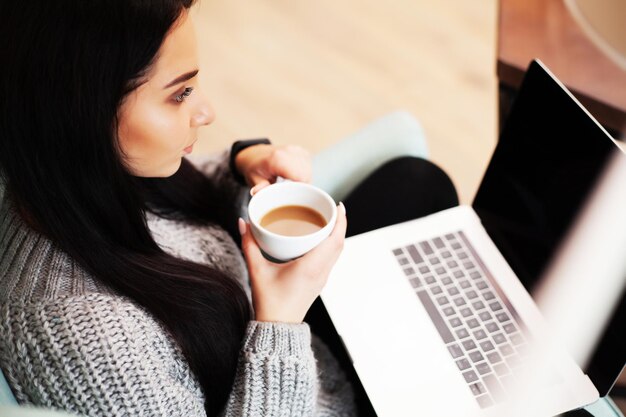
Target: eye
(181, 97)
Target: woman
(122, 290)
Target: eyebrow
(181, 78)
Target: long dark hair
(66, 67)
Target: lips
(189, 148)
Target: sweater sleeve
(276, 375)
(95, 355)
(101, 355)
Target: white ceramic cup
(289, 193)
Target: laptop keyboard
(477, 323)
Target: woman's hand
(285, 292)
(261, 164)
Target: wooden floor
(311, 72)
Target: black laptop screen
(548, 158)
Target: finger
(290, 164)
(258, 177)
(250, 248)
(258, 187)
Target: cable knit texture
(69, 342)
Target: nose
(203, 114)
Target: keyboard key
(455, 322)
(439, 243)
(494, 387)
(459, 301)
(436, 289)
(506, 349)
(409, 271)
(440, 271)
(484, 316)
(472, 323)
(488, 295)
(471, 294)
(446, 280)
(469, 345)
(430, 279)
(455, 351)
(415, 282)
(464, 284)
(424, 269)
(480, 334)
(508, 381)
(513, 361)
(397, 252)
(478, 388)
(403, 261)
(481, 285)
(476, 356)
(458, 274)
(462, 333)
(494, 357)
(434, 261)
(435, 317)
(468, 265)
(495, 306)
(448, 311)
(475, 275)
(453, 291)
(501, 369)
(466, 312)
(522, 350)
(487, 346)
(452, 264)
(426, 248)
(462, 255)
(450, 236)
(417, 258)
(446, 254)
(463, 364)
(470, 376)
(483, 368)
(499, 338)
(456, 245)
(517, 339)
(509, 328)
(478, 305)
(502, 317)
(443, 300)
(492, 326)
(484, 401)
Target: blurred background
(311, 72)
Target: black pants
(402, 189)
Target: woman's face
(158, 122)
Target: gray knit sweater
(68, 342)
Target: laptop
(473, 310)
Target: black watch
(239, 146)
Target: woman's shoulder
(33, 268)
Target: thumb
(250, 248)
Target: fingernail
(242, 226)
(342, 208)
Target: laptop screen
(547, 160)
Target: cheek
(152, 139)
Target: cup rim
(323, 193)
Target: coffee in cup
(293, 221)
(288, 219)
